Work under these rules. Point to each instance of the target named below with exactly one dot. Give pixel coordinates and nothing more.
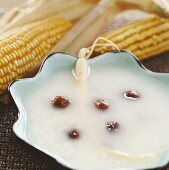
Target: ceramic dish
(38, 129)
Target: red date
(101, 104)
(73, 134)
(132, 94)
(61, 102)
(111, 126)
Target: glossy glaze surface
(136, 144)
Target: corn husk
(91, 25)
(6, 5)
(34, 10)
(160, 7)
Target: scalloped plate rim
(19, 121)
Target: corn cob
(23, 49)
(145, 38)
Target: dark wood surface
(17, 155)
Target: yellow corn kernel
(145, 38)
(24, 48)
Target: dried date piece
(101, 104)
(73, 134)
(111, 126)
(132, 95)
(61, 102)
